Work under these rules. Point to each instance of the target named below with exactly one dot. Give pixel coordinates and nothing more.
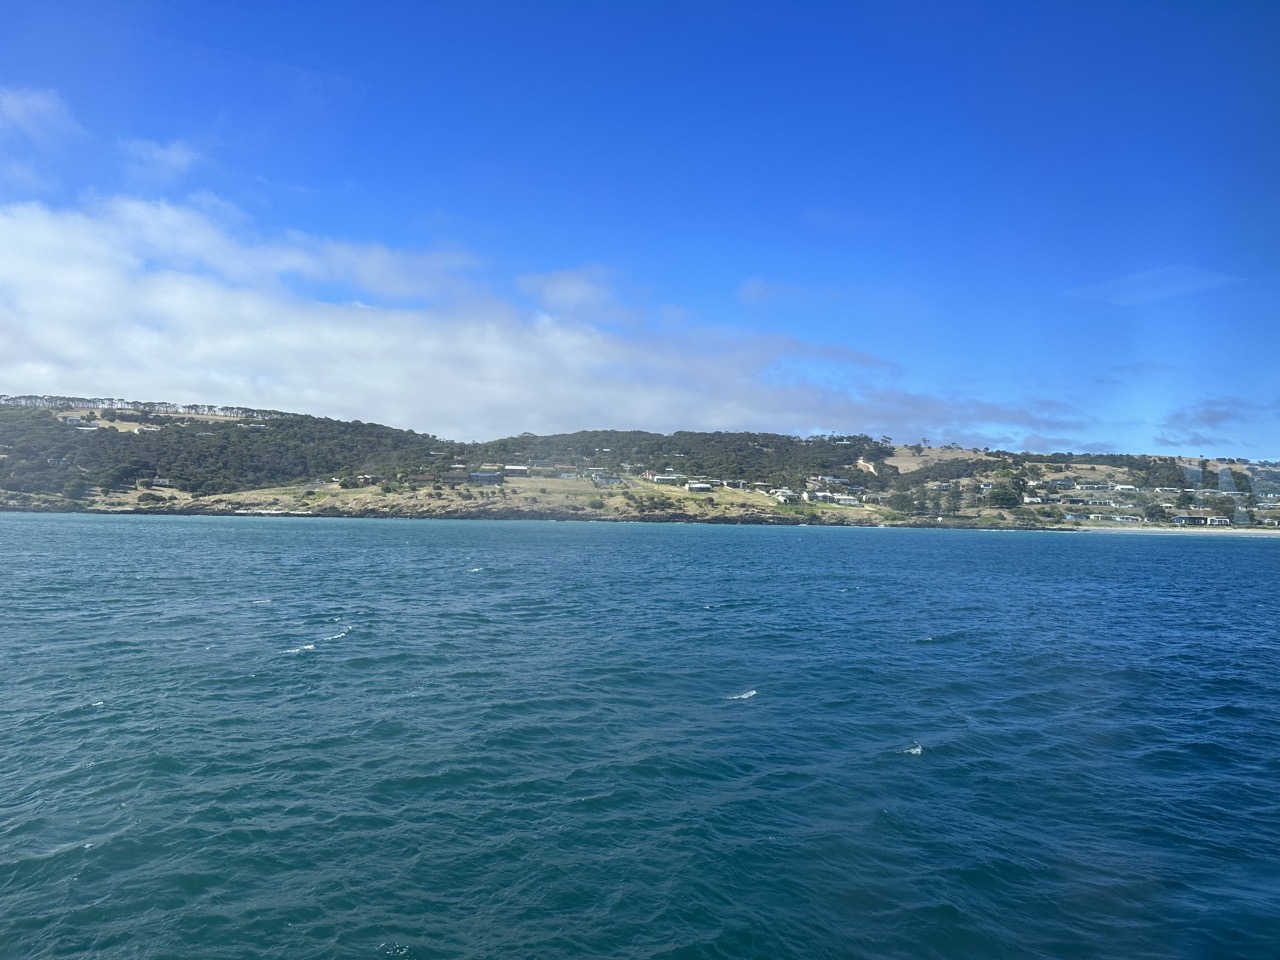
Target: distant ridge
(50, 402)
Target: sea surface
(302, 738)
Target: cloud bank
(154, 300)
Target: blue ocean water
(299, 738)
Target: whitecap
(305, 646)
(475, 569)
(339, 635)
(914, 750)
(742, 696)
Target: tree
(1155, 513)
(902, 502)
(1002, 495)
(1223, 506)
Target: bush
(596, 504)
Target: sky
(1049, 226)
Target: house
(1185, 521)
(673, 479)
(486, 478)
(1219, 521)
(819, 496)
(515, 470)
(455, 477)
(693, 487)
(785, 496)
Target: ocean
(303, 738)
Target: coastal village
(879, 484)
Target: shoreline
(756, 519)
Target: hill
(65, 453)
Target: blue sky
(1043, 226)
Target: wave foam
(742, 696)
(914, 750)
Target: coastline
(756, 518)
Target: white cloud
(153, 299)
(1152, 285)
(24, 177)
(755, 292)
(571, 291)
(38, 116)
(183, 302)
(1222, 424)
(151, 162)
